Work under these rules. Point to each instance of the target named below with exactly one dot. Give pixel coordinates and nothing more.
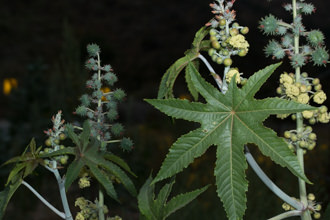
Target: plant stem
(265, 179)
(101, 196)
(212, 71)
(286, 215)
(61, 185)
(300, 153)
(43, 200)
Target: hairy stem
(265, 179)
(43, 200)
(286, 215)
(101, 196)
(300, 154)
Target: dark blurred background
(42, 55)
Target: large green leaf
(72, 172)
(229, 121)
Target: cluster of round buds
(89, 210)
(312, 206)
(100, 106)
(305, 139)
(55, 135)
(226, 37)
(320, 115)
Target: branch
(212, 71)
(265, 179)
(286, 215)
(43, 200)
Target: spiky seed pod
(297, 60)
(126, 144)
(287, 41)
(287, 7)
(107, 68)
(93, 50)
(117, 129)
(315, 38)
(320, 56)
(112, 105)
(281, 30)
(269, 24)
(112, 114)
(81, 110)
(298, 27)
(111, 78)
(274, 49)
(307, 8)
(97, 94)
(119, 94)
(85, 100)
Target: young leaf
(168, 80)
(229, 121)
(162, 198)
(146, 200)
(6, 195)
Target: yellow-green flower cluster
(231, 73)
(303, 92)
(84, 182)
(88, 209)
(238, 41)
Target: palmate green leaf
(229, 121)
(190, 84)
(114, 158)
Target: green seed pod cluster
(55, 136)
(226, 36)
(312, 48)
(100, 105)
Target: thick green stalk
(300, 153)
(101, 196)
